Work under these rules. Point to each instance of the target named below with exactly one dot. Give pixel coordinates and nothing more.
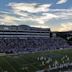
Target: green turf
(29, 62)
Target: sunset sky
(54, 14)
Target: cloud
(40, 26)
(61, 1)
(42, 12)
(30, 7)
(45, 17)
(62, 10)
(37, 15)
(64, 27)
(8, 19)
(26, 10)
(64, 14)
(39, 19)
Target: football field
(32, 62)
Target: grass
(28, 62)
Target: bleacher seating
(31, 44)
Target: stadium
(30, 49)
(22, 39)
(35, 35)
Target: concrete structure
(23, 31)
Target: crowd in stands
(31, 44)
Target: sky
(53, 14)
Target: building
(23, 31)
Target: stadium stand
(19, 39)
